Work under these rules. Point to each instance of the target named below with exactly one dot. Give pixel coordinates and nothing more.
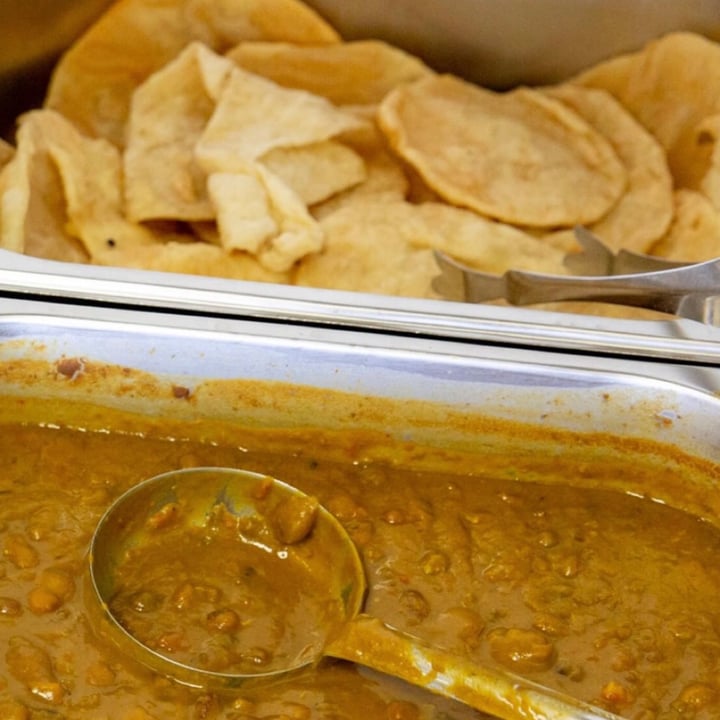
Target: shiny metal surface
(677, 402)
(679, 291)
(508, 42)
(674, 339)
(32, 36)
(201, 491)
(346, 633)
(595, 258)
(32, 32)
(499, 43)
(674, 403)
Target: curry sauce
(608, 596)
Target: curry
(209, 601)
(608, 596)
(257, 583)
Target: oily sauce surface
(221, 593)
(607, 596)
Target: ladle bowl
(218, 576)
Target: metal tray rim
(673, 339)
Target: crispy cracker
(519, 157)
(643, 213)
(94, 81)
(694, 235)
(168, 116)
(350, 73)
(670, 86)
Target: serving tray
(673, 339)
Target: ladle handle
(369, 642)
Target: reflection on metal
(502, 43)
(673, 339)
(688, 290)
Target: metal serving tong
(689, 290)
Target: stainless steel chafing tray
(518, 41)
(674, 402)
(53, 350)
(672, 339)
(494, 43)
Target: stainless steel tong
(689, 290)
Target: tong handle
(691, 291)
(664, 290)
(595, 258)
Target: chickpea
(463, 623)
(243, 705)
(9, 607)
(296, 711)
(206, 707)
(294, 518)
(361, 532)
(144, 601)
(33, 667)
(51, 691)
(42, 523)
(616, 694)
(623, 660)
(88, 702)
(258, 656)
(100, 674)
(568, 566)
(59, 582)
(343, 507)
(419, 512)
(208, 593)
(215, 658)
(698, 695)
(42, 601)
(171, 642)
(402, 710)
(523, 650)
(434, 563)
(19, 552)
(394, 517)
(164, 517)
(476, 517)
(183, 595)
(550, 624)
(548, 538)
(415, 605)
(223, 620)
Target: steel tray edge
(673, 339)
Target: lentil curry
(551, 572)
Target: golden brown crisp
(94, 81)
(519, 157)
(349, 73)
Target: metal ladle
(280, 522)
